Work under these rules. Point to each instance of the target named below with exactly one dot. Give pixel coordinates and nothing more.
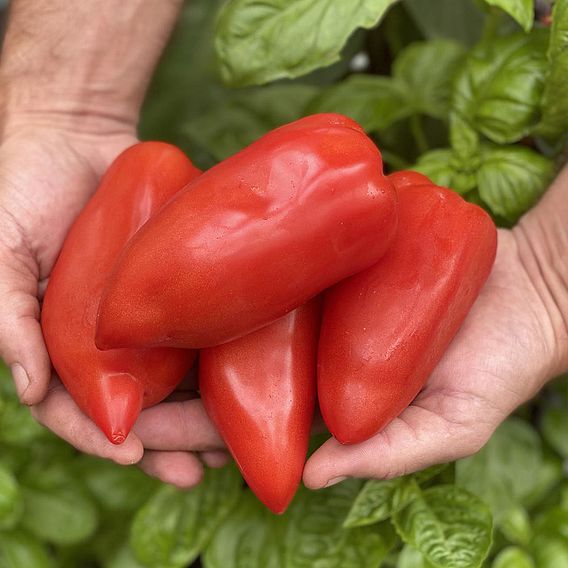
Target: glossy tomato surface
(253, 238)
(385, 329)
(112, 386)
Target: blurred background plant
(471, 92)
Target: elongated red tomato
(260, 391)
(112, 387)
(253, 238)
(385, 329)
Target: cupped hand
(512, 341)
(48, 170)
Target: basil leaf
(460, 20)
(375, 102)
(504, 472)
(448, 525)
(174, 526)
(57, 508)
(513, 557)
(555, 97)
(548, 475)
(316, 537)
(259, 41)
(499, 87)
(373, 504)
(411, 558)
(425, 71)
(550, 552)
(522, 11)
(21, 550)
(512, 178)
(11, 503)
(250, 536)
(555, 429)
(447, 169)
(17, 426)
(515, 525)
(116, 487)
(246, 116)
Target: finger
(177, 426)
(181, 469)
(416, 440)
(60, 414)
(21, 342)
(215, 459)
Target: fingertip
(216, 459)
(181, 469)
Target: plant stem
(492, 24)
(418, 133)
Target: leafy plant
(473, 93)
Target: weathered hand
(47, 173)
(513, 340)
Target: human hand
(513, 340)
(47, 173)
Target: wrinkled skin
(48, 170)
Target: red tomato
(112, 386)
(253, 238)
(260, 392)
(385, 329)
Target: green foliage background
(474, 94)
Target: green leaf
(555, 429)
(499, 87)
(548, 475)
(174, 526)
(460, 20)
(122, 558)
(448, 525)
(555, 97)
(316, 537)
(248, 115)
(464, 139)
(21, 550)
(447, 169)
(11, 503)
(511, 179)
(259, 41)
(17, 426)
(550, 552)
(553, 523)
(373, 504)
(513, 557)
(522, 11)
(249, 537)
(57, 508)
(429, 473)
(374, 102)
(504, 472)
(515, 525)
(411, 558)
(116, 487)
(425, 71)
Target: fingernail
(21, 379)
(335, 481)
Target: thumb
(416, 440)
(21, 341)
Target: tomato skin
(260, 392)
(253, 238)
(385, 329)
(111, 387)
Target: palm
(46, 177)
(493, 365)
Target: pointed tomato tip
(117, 438)
(117, 406)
